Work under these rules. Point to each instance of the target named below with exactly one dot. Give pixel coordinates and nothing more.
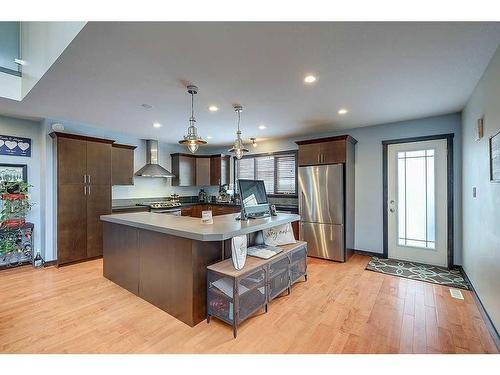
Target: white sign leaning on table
(279, 235)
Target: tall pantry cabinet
(83, 195)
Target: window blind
(278, 171)
(285, 174)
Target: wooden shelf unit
(262, 281)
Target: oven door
(167, 211)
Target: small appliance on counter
(203, 196)
(224, 196)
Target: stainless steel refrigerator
(326, 208)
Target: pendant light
(192, 140)
(238, 148)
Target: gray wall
(368, 194)
(481, 215)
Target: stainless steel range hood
(152, 168)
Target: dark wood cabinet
(98, 203)
(187, 211)
(219, 169)
(195, 210)
(309, 155)
(203, 171)
(295, 228)
(83, 195)
(200, 170)
(330, 150)
(98, 161)
(72, 167)
(122, 164)
(71, 223)
(184, 169)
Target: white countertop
(223, 228)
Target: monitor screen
(253, 196)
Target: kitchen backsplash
(189, 199)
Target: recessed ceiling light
(146, 106)
(342, 111)
(209, 137)
(262, 127)
(310, 79)
(213, 108)
(157, 125)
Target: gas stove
(161, 204)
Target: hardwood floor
(342, 308)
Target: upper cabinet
(200, 170)
(330, 150)
(203, 171)
(122, 167)
(184, 169)
(219, 169)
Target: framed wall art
(15, 146)
(13, 172)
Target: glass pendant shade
(192, 140)
(238, 148)
(193, 147)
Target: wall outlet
(474, 192)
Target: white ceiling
(381, 72)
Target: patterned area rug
(417, 271)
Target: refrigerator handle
(300, 202)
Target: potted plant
(15, 205)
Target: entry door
(417, 202)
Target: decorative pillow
(279, 235)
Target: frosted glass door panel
(416, 197)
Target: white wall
(10, 86)
(41, 44)
(481, 215)
(28, 129)
(368, 170)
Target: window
(416, 191)
(278, 170)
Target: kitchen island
(163, 258)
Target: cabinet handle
(89, 179)
(89, 189)
(84, 179)
(84, 189)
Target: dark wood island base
(165, 270)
